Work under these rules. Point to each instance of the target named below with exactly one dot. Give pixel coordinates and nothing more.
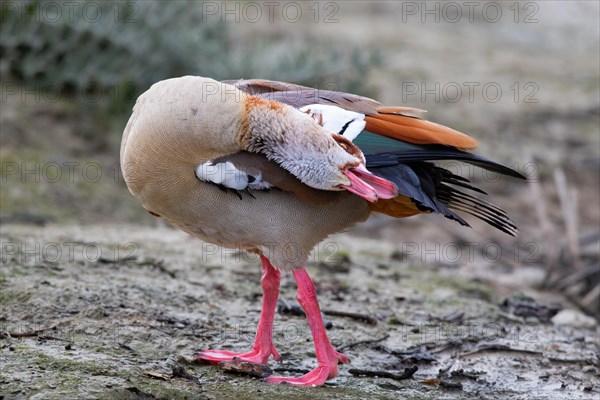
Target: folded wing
(399, 146)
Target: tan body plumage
(168, 135)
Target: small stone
(575, 319)
(589, 369)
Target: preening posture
(274, 168)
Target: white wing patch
(227, 175)
(335, 119)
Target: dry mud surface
(110, 312)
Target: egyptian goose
(274, 168)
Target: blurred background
(520, 76)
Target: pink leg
(327, 357)
(263, 342)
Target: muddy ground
(113, 311)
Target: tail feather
(439, 153)
(461, 183)
(482, 209)
(434, 189)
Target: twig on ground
(498, 347)
(369, 319)
(591, 298)
(408, 373)
(291, 369)
(503, 347)
(524, 306)
(123, 260)
(568, 204)
(576, 277)
(358, 343)
(414, 354)
(591, 360)
(28, 334)
(550, 242)
(126, 347)
(159, 265)
(49, 337)
(540, 207)
(285, 307)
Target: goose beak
(368, 186)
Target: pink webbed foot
(327, 357)
(317, 376)
(254, 356)
(263, 342)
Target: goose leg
(263, 342)
(327, 357)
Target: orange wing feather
(418, 131)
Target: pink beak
(368, 186)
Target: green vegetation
(104, 63)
